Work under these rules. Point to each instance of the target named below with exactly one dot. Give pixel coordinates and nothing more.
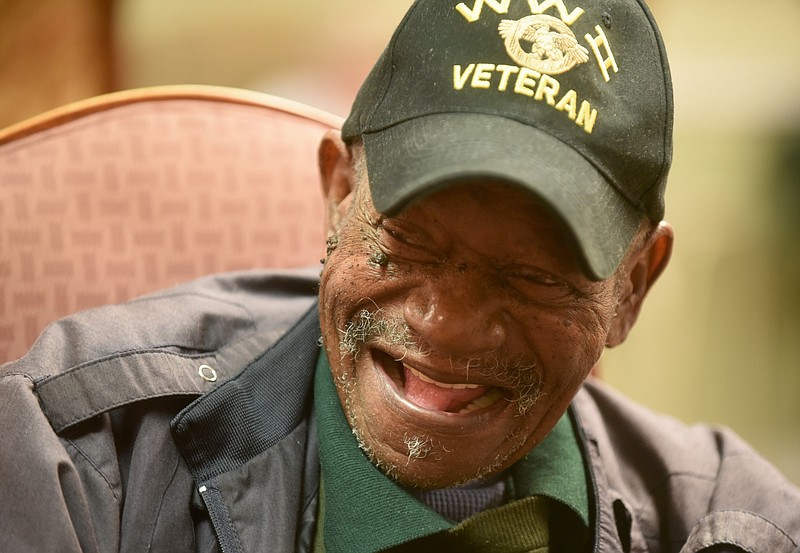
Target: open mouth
(428, 393)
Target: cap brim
(416, 157)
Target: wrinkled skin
(477, 284)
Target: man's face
(458, 331)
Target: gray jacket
(181, 422)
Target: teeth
(429, 380)
(485, 400)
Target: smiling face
(459, 330)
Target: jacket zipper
(220, 518)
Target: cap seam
(390, 52)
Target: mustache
(511, 372)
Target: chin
(427, 448)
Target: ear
(338, 178)
(642, 270)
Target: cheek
(336, 299)
(568, 345)
(349, 283)
(346, 269)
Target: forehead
(495, 214)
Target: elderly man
(494, 209)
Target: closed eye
(539, 285)
(407, 242)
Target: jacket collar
(250, 413)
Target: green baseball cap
(570, 99)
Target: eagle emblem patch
(553, 47)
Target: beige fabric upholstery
(127, 193)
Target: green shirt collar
(555, 469)
(366, 511)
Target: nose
(460, 318)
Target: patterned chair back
(116, 196)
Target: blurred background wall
(719, 340)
